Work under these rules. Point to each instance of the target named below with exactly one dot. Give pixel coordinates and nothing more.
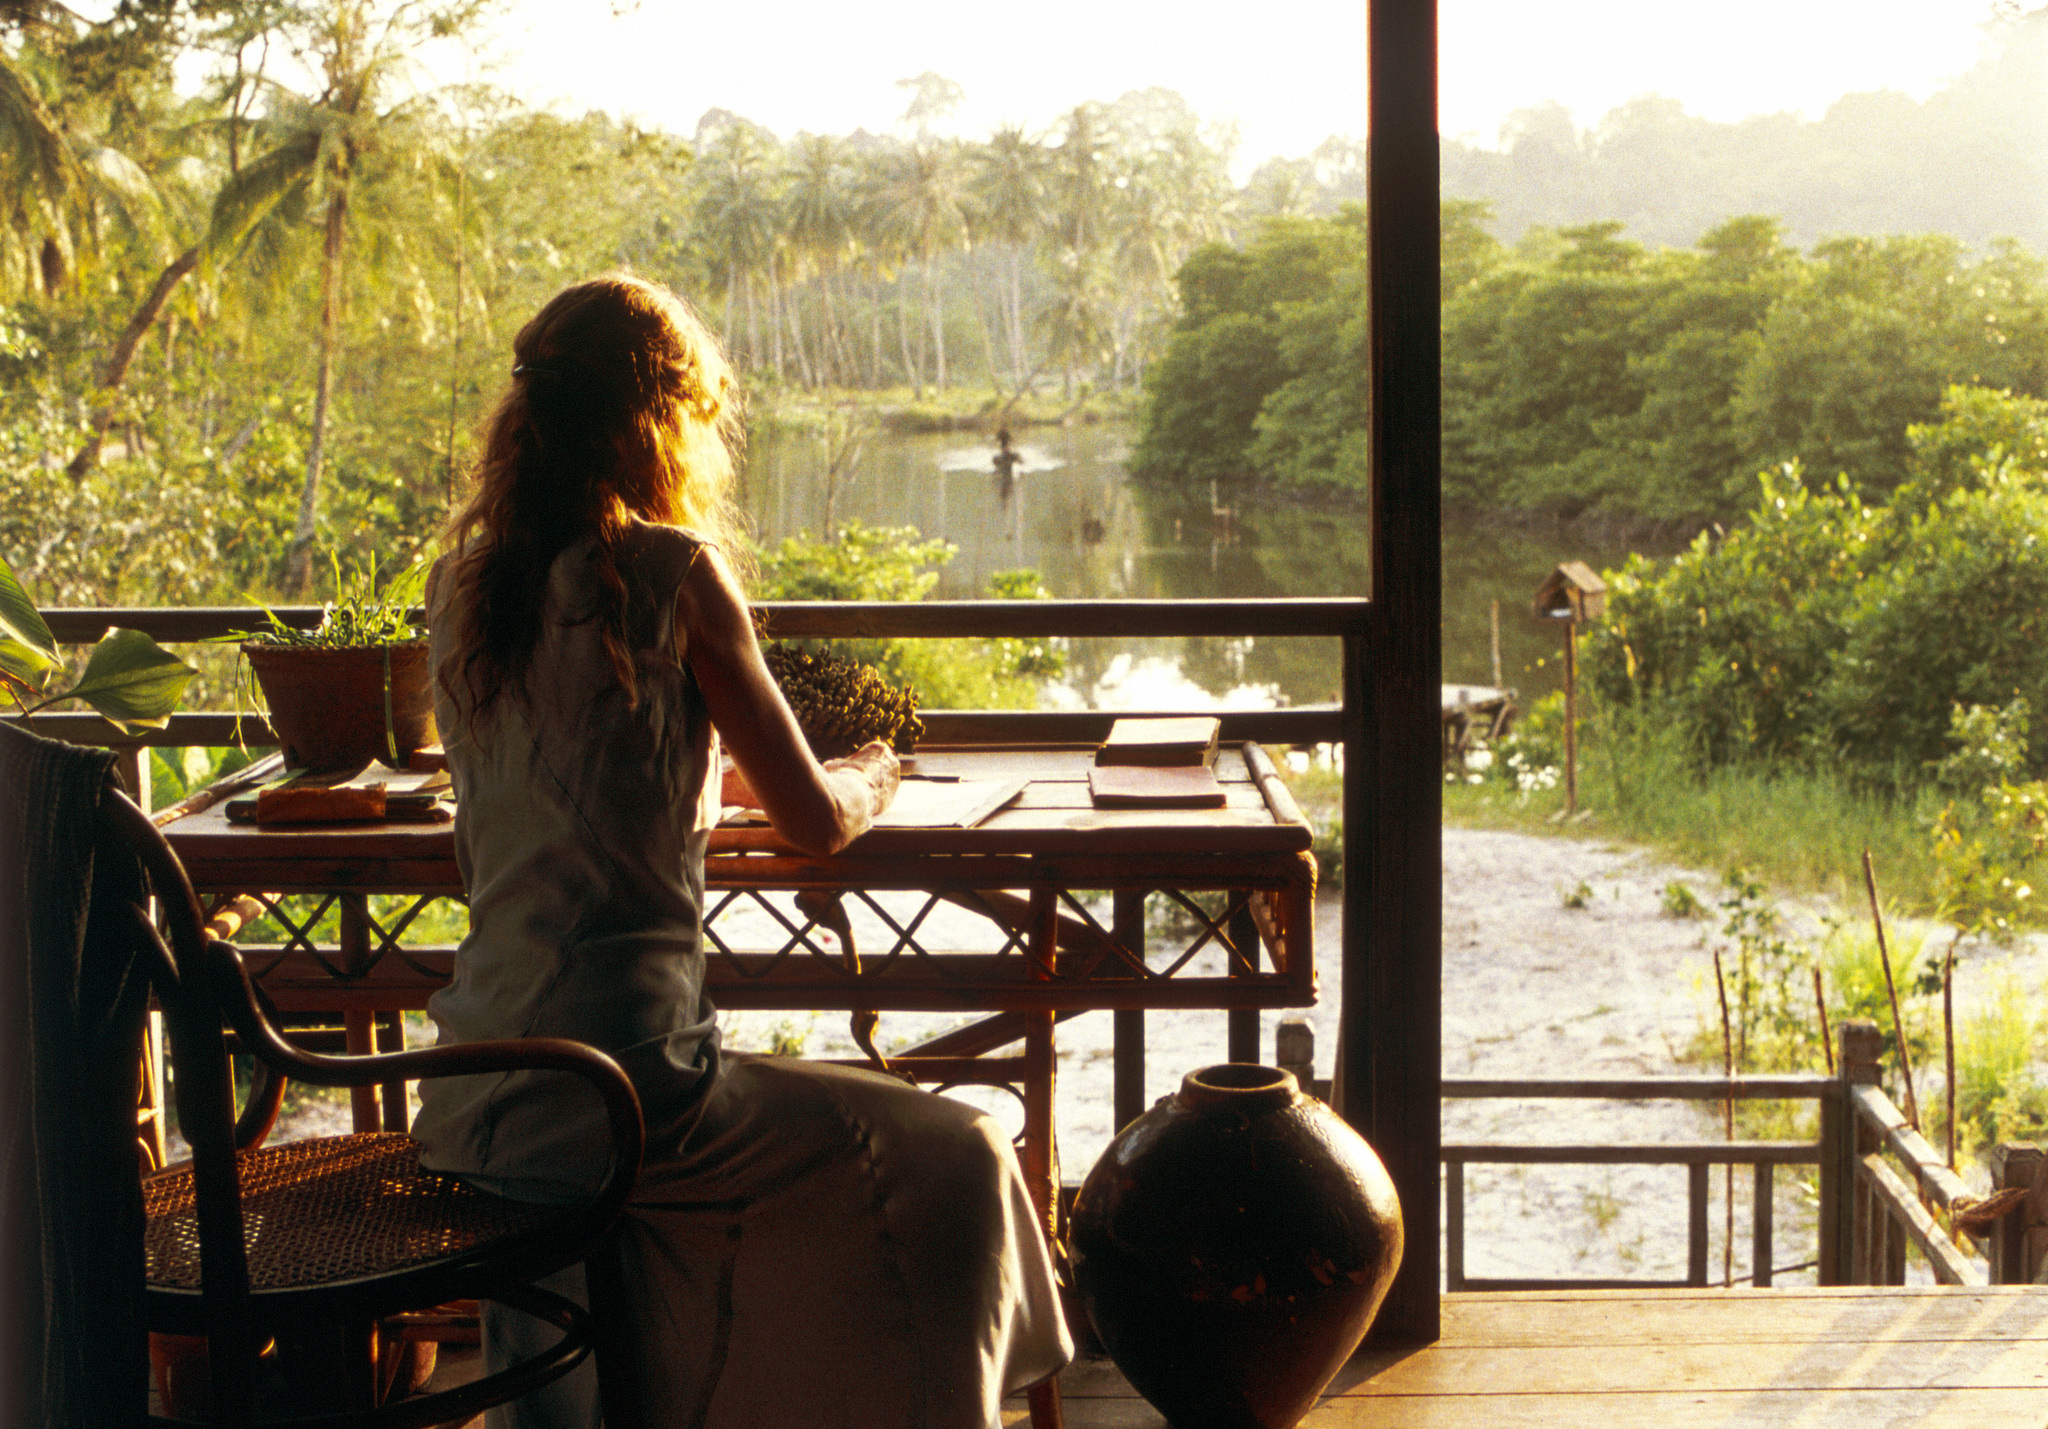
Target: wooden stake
(1728, 1130)
(1891, 991)
(1948, 1039)
(1827, 1038)
(1571, 717)
(1493, 616)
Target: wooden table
(1242, 874)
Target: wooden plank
(1297, 724)
(1039, 761)
(1849, 1315)
(1950, 1266)
(1798, 1086)
(1763, 1408)
(1649, 1153)
(1876, 1109)
(1073, 794)
(944, 619)
(1596, 1369)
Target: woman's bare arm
(818, 807)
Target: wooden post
(1493, 622)
(131, 762)
(1393, 952)
(1571, 716)
(1696, 1192)
(1294, 1050)
(2017, 1165)
(1454, 1226)
(1858, 1043)
(1762, 1218)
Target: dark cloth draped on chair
(73, 992)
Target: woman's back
(582, 819)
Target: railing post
(1294, 1050)
(2014, 1254)
(1857, 1046)
(1763, 1215)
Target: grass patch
(1803, 832)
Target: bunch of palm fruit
(841, 704)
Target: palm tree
(321, 153)
(817, 225)
(1010, 191)
(47, 189)
(929, 203)
(738, 214)
(68, 194)
(1083, 187)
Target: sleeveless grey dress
(581, 830)
(807, 1245)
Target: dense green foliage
(867, 563)
(1832, 631)
(1587, 373)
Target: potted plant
(356, 687)
(130, 679)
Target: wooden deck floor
(1679, 1359)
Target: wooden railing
(1310, 724)
(1882, 1186)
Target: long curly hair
(621, 405)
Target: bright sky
(1287, 73)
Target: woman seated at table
(808, 1245)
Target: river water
(1074, 517)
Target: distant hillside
(1972, 162)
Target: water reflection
(1071, 514)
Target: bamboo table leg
(360, 1026)
(1127, 926)
(1244, 1021)
(1041, 1151)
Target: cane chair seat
(333, 1208)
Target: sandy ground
(1531, 988)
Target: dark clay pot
(1232, 1247)
(328, 706)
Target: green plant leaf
(131, 680)
(26, 646)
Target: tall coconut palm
(739, 215)
(929, 204)
(69, 194)
(320, 152)
(818, 217)
(1010, 191)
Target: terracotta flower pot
(339, 708)
(1232, 1247)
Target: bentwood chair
(326, 1236)
(343, 1231)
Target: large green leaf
(26, 646)
(131, 680)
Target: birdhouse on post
(1574, 594)
(1571, 592)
